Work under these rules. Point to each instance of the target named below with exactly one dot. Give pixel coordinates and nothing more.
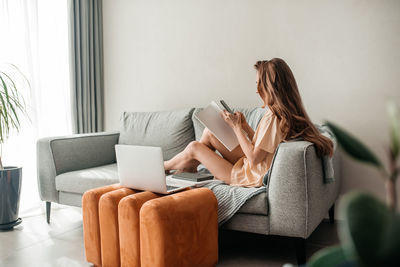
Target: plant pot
(10, 189)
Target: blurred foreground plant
(370, 232)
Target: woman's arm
(254, 155)
(246, 127)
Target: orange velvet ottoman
(180, 230)
(91, 222)
(101, 227)
(124, 227)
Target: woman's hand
(246, 127)
(242, 119)
(233, 120)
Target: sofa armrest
(57, 155)
(298, 197)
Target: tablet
(211, 118)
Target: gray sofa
(295, 203)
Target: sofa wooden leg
(48, 209)
(332, 214)
(300, 244)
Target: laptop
(142, 168)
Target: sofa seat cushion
(79, 182)
(83, 180)
(256, 205)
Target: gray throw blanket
(231, 198)
(326, 160)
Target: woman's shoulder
(268, 134)
(268, 116)
(270, 122)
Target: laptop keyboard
(171, 187)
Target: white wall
(181, 53)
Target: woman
(285, 119)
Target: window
(35, 38)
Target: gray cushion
(79, 182)
(256, 205)
(171, 130)
(251, 223)
(83, 180)
(252, 115)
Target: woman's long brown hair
(277, 83)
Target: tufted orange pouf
(91, 226)
(180, 230)
(101, 226)
(109, 229)
(129, 233)
(124, 227)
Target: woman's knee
(208, 134)
(192, 148)
(207, 138)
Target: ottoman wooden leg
(91, 228)
(180, 230)
(108, 215)
(128, 220)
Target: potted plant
(370, 231)
(12, 105)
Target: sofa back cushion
(171, 130)
(252, 115)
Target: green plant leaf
(12, 104)
(11, 101)
(1, 130)
(330, 257)
(353, 146)
(2, 99)
(394, 128)
(370, 232)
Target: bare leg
(213, 143)
(203, 152)
(218, 166)
(182, 162)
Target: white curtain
(34, 37)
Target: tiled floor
(35, 243)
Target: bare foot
(184, 166)
(193, 170)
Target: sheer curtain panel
(34, 37)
